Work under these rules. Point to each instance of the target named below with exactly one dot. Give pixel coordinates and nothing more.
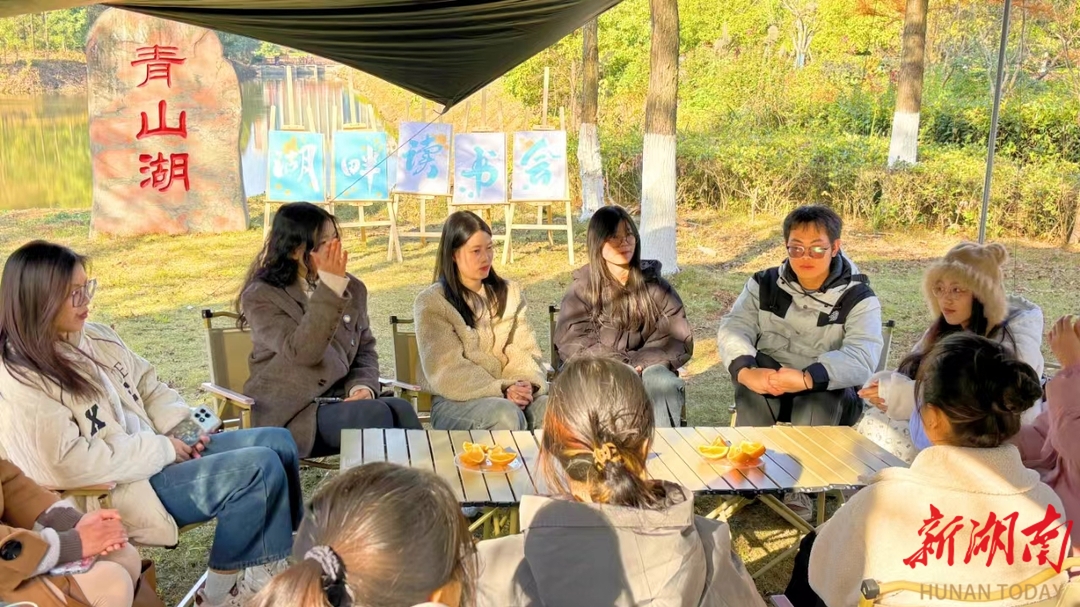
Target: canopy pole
(995, 112)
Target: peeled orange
(500, 457)
(754, 450)
(472, 457)
(714, 450)
(737, 456)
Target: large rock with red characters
(164, 128)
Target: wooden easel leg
(363, 230)
(393, 246)
(551, 221)
(569, 233)
(423, 220)
(266, 218)
(540, 220)
(508, 212)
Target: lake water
(45, 142)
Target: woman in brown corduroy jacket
(67, 535)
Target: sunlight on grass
(152, 289)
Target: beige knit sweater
(870, 536)
(460, 363)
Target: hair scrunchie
(333, 575)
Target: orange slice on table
(736, 455)
(754, 450)
(472, 457)
(467, 446)
(501, 458)
(714, 450)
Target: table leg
(785, 512)
(728, 508)
(484, 518)
(776, 561)
(821, 508)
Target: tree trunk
(589, 159)
(904, 146)
(658, 154)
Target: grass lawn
(151, 290)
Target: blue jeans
(249, 480)
(667, 391)
(490, 413)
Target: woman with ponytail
(380, 535)
(609, 535)
(973, 395)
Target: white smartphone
(74, 567)
(202, 421)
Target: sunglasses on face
(82, 295)
(816, 252)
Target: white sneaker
(801, 505)
(254, 578)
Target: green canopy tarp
(443, 50)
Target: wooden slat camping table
(799, 459)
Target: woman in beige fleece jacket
(970, 485)
(478, 354)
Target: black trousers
(807, 408)
(798, 590)
(385, 412)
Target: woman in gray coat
(314, 368)
(609, 535)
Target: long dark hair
(398, 531)
(597, 431)
(35, 284)
(977, 325)
(295, 224)
(980, 387)
(458, 229)
(628, 306)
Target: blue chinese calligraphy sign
(361, 167)
(423, 158)
(479, 168)
(539, 172)
(296, 167)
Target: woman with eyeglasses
(965, 291)
(314, 368)
(79, 408)
(620, 307)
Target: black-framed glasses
(84, 294)
(816, 252)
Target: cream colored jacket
(460, 363)
(870, 536)
(61, 440)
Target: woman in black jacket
(619, 306)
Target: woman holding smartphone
(314, 368)
(79, 408)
